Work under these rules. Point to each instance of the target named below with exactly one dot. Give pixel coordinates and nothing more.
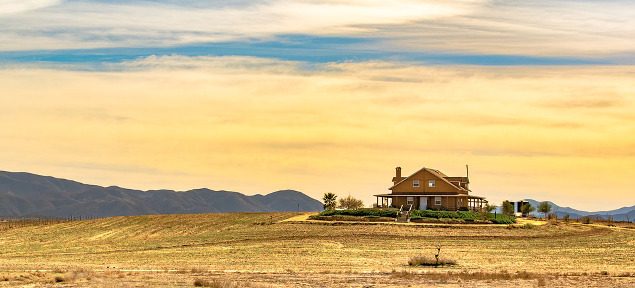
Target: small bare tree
(436, 256)
(350, 203)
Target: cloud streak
(587, 29)
(19, 6)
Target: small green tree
(330, 201)
(350, 203)
(544, 208)
(487, 210)
(507, 207)
(566, 218)
(490, 207)
(527, 208)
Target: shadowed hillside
(30, 194)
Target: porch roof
(428, 195)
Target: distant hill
(622, 214)
(29, 194)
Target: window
(437, 201)
(410, 201)
(415, 183)
(431, 183)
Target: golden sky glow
(565, 134)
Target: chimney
(398, 172)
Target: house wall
(441, 187)
(447, 203)
(399, 201)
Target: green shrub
(586, 220)
(361, 213)
(432, 214)
(502, 219)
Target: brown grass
(468, 276)
(212, 283)
(165, 248)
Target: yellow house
(430, 189)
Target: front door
(423, 203)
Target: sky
(537, 97)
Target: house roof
(434, 172)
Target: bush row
(464, 215)
(502, 219)
(424, 214)
(361, 212)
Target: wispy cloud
(101, 24)
(534, 28)
(18, 6)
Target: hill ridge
(625, 213)
(24, 193)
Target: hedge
(430, 214)
(361, 212)
(502, 219)
(423, 214)
(464, 215)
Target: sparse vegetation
(586, 220)
(176, 250)
(213, 283)
(468, 276)
(429, 261)
(437, 261)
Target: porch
(432, 202)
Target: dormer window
(415, 183)
(431, 183)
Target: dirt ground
(264, 250)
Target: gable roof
(434, 172)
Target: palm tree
(329, 201)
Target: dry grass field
(262, 250)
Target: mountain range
(621, 214)
(24, 194)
